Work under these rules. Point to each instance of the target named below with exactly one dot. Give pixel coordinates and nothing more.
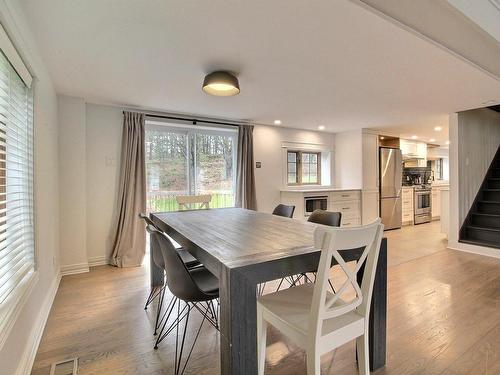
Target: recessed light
(414, 137)
(277, 122)
(432, 140)
(382, 137)
(447, 142)
(438, 128)
(321, 127)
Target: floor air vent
(66, 367)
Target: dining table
(244, 248)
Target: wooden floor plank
(443, 318)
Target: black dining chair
(324, 217)
(330, 218)
(159, 292)
(284, 210)
(197, 288)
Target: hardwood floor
(443, 318)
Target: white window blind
(16, 182)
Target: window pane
(292, 157)
(305, 157)
(292, 178)
(292, 168)
(166, 169)
(214, 168)
(314, 158)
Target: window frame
(299, 165)
(190, 131)
(17, 298)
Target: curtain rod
(194, 121)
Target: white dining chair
(315, 318)
(189, 202)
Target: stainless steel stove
(422, 204)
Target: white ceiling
(304, 62)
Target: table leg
(378, 312)
(238, 306)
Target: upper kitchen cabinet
(414, 153)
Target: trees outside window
(189, 161)
(303, 168)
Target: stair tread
(485, 214)
(489, 202)
(480, 243)
(483, 228)
(495, 190)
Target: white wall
(268, 142)
(349, 159)
(103, 140)
(72, 182)
(18, 349)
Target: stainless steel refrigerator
(390, 177)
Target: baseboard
(98, 261)
(474, 249)
(72, 269)
(28, 357)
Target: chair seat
(187, 258)
(205, 280)
(289, 310)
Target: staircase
(482, 224)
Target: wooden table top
(237, 237)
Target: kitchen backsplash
(417, 176)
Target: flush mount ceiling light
(438, 128)
(447, 142)
(414, 137)
(432, 140)
(221, 84)
(321, 127)
(277, 122)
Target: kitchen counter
(309, 189)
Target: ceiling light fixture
(432, 140)
(447, 142)
(321, 127)
(221, 84)
(382, 138)
(277, 122)
(414, 137)
(438, 128)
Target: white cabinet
(407, 205)
(436, 203)
(347, 202)
(415, 151)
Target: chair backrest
(155, 247)
(284, 210)
(328, 305)
(329, 218)
(179, 280)
(190, 202)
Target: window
(16, 188)
(439, 169)
(303, 168)
(189, 160)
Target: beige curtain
(245, 177)
(130, 239)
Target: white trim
(473, 249)
(72, 269)
(15, 60)
(17, 299)
(100, 260)
(28, 356)
(304, 146)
